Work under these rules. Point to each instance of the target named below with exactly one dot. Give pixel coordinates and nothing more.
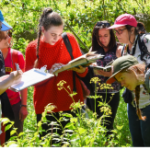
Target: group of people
(49, 49)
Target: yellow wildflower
(61, 84)
(50, 107)
(106, 110)
(105, 86)
(94, 80)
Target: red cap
(125, 19)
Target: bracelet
(23, 105)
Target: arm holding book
(81, 70)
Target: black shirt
(6, 107)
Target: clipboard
(31, 77)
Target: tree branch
(70, 28)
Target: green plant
(81, 131)
(79, 16)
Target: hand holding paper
(16, 76)
(55, 67)
(83, 61)
(30, 78)
(35, 75)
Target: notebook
(30, 78)
(35, 75)
(83, 61)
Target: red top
(47, 92)
(14, 97)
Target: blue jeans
(140, 130)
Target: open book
(35, 75)
(106, 68)
(83, 60)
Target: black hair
(95, 39)
(138, 30)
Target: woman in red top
(18, 100)
(49, 49)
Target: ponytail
(138, 70)
(37, 48)
(47, 19)
(137, 97)
(140, 29)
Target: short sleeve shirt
(14, 97)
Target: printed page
(107, 68)
(82, 60)
(31, 77)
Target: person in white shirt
(129, 32)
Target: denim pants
(140, 130)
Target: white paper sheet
(30, 78)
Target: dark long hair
(140, 29)
(95, 39)
(47, 19)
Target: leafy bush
(79, 16)
(84, 130)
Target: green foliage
(84, 130)
(81, 15)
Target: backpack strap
(145, 54)
(14, 58)
(125, 50)
(122, 51)
(147, 81)
(69, 48)
(143, 48)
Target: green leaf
(8, 127)
(13, 132)
(119, 127)
(4, 120)
(81, 130)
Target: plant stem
(95, 98)
(141, 7)
(104, 9)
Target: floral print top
(102, 87)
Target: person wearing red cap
(128, 32)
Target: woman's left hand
(103, 73)
(80, 69)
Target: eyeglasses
(106, 24)
(120, 31)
